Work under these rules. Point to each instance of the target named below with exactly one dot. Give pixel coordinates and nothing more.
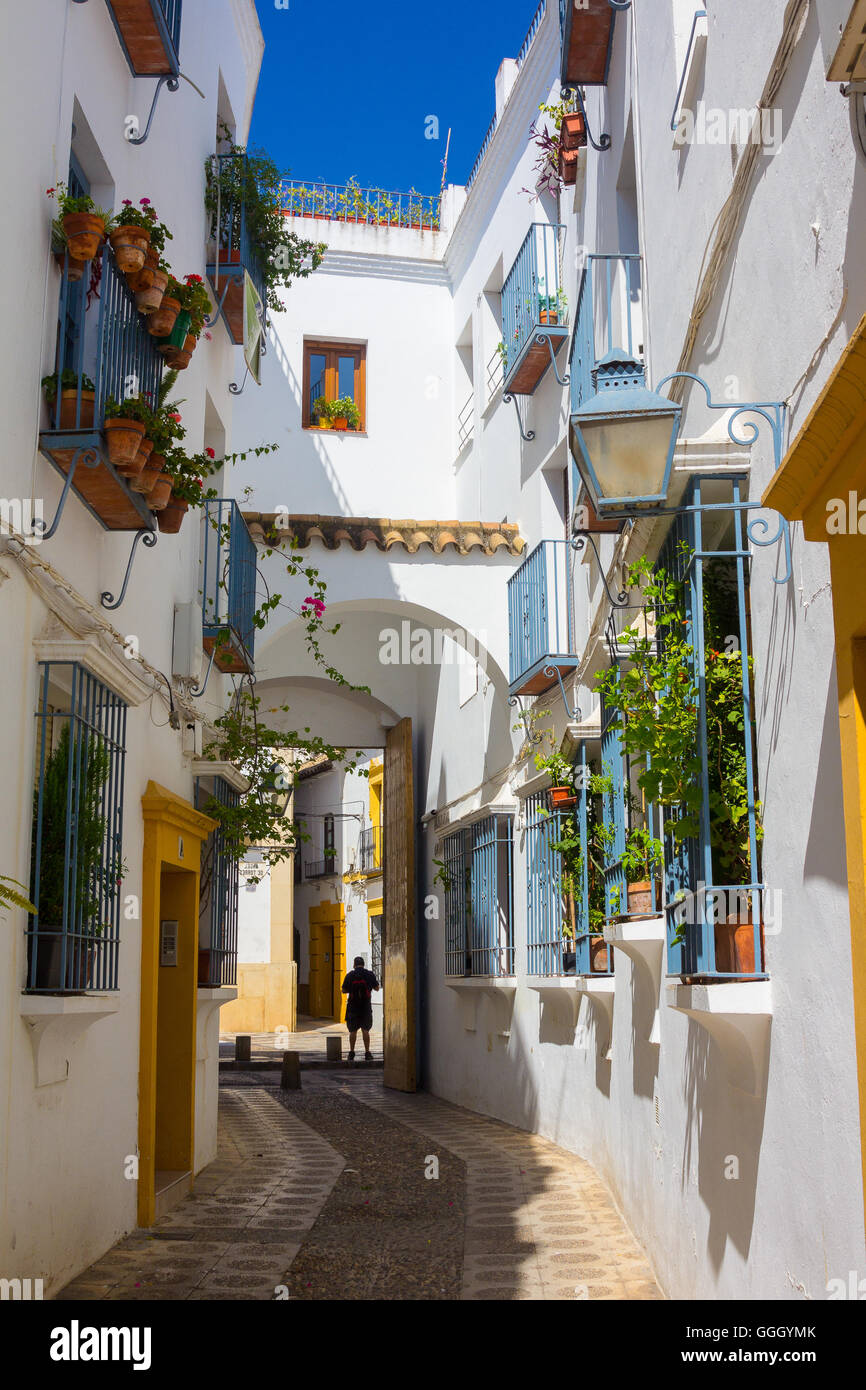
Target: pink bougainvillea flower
(209, 337)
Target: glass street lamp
(623, 438)
(276, 789)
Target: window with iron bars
(77, 866)
(479, 898)
(219, 894)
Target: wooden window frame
(331, 352)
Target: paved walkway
(324, 1193)
(309, 1041)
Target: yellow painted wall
(327, 936)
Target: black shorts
(359, 1018)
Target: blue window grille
(541, 618)
(77, 864)
(700, 899)
(219, 894)
(479, 899)
(228, 586)
(534, 307)
(149, 34)
(624, 807)
(545, 901)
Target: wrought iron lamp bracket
(603, 143)
(526, 435)
(531, 737)
(107, 599)
(579, 539)
(545, 338)
(573, 714)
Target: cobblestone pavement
(309, 1041)
(324, 1191)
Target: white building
(701, 1095)
(108, 1070)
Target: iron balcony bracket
(545, 338)
(525, 435)
(197, 691)
(91, 458)
(107, 599)
(173, 83)
(603, 142)
(233, 386)
(209, 322)
(579, 539)
(573, 714)
(516, 702)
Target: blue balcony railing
(609, 315)
(149, 34)
(349, 202)
(228, 586)
(541, 619)
(103, 342)
(534, 309)
(370, 849)
(232, 250)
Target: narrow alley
(331, 1192)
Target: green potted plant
(562, 793)
(130, 238)
(125, 425)
(82, 893)
(642, 864)
(342, 414)
(84, 224)
(69, 382)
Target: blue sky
(346, 85)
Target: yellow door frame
(173, 835)
(820, 483)
(333, 916)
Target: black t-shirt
(360, 999)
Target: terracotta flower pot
(561, 797)
(162, 321)
(573, 131)
(640, 898)
(74, 270)
(177, 359)
(160, 493)
(549, 316)
(146, 479)
(123, 439)
(170, 519)
(69, 407)
(340, 424)
(132, 470)
(129, 245)
(598, 955)
(152, 258)
(150, 290)
(85, 233)
(735, 945)
(568, 162)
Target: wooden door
(399, 910)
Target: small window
(334, 371)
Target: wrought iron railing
(541, 608)
(533, 297)
(479, 899)
(349, 202)
(77, 865)
(623, 809)
(320, 868)
(547, 946)
(171, 10)
(101, 338)
(370, 849)
(229, 576)
(220, 884)
(609, 316)
(230, 229)
(522, 55)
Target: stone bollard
(243, 1047)
(334, 1047)
(290, 1080)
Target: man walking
(359, 985)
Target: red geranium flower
(210, 453)
(175, 416)
(145, 202)
(127, 202)
(51, 192)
